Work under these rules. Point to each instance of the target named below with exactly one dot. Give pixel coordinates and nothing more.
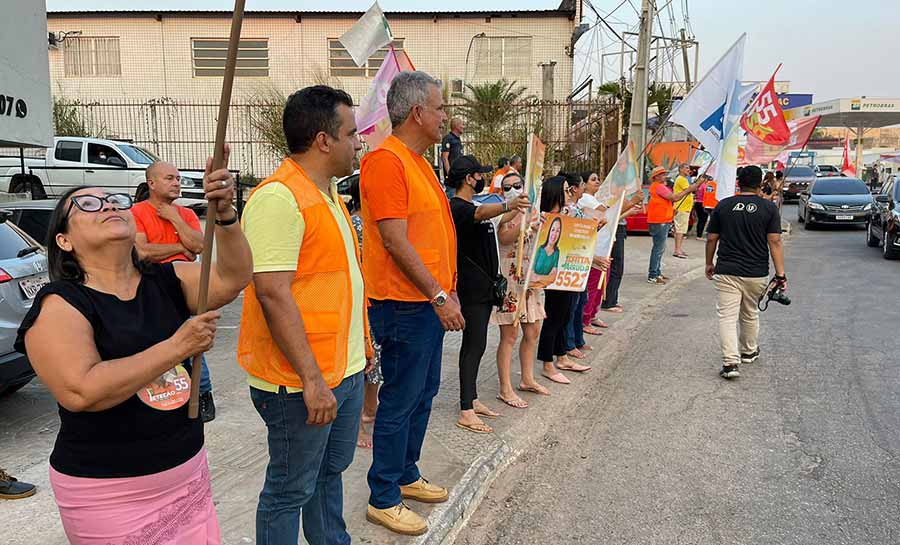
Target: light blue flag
(703, 111)
(728, 151)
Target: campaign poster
(564, 252)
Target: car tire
(871, 241)
(799, 216)
(27, 183)
(887, 246)
(808, 224)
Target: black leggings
(702, 216)
(558, 306)
(616, 270)
(474, 342)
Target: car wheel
(808, 224)
(871, 241)
(887, 247)
(799, 216)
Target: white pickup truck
(75, 161)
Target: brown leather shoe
(399, 518)
(424, 492)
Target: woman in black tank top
(112, 339)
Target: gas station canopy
(854, 113)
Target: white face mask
(513, 193)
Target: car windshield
(799, 172)
(138, 155)
(11, 243)
(840, 187)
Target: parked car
(76, 161)
(23, 272)
(33, 217)
(826, 170)
(835, 201)
(883, 227)
(638, 222)
(797, 179)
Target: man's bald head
(164, 181)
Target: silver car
(23, 272)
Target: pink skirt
(172, 507)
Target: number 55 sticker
(169, 392)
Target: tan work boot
(424, 492)
(399, 518)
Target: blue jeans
(305, 465)
(411, 339)
(205, 383)
(660, 233)
(574, 329)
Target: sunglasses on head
(513, 186)
(93, 203)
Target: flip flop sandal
(591, 330)
(558, 378)
(517, 403)
(532, 390)
(576, 368)
(600, 323)
(615, 309)
(576, 354)
(475, 428)
(680, 256)
(586, 348)
(488, 415)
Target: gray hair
(407, 90)
(684, 165)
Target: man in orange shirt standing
(167, 232)
(660, 213)
(409, 265)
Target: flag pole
(218, 162)
(520, 246)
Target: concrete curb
(446, 521)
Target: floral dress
(374, 376)
(532, 309)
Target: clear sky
(831, 48)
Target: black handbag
(499, 284)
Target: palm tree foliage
(490, 110)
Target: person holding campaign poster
(516, 310)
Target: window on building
(340, 64)
(209, 54)
(503, 56)
(92, 57)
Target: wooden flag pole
(520, 246)
(218, 162)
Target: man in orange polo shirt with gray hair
(409, 264)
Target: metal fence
(578, 135)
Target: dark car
(883, 227)
(835, 201)
(33, 217)
(797, 179)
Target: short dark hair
(574, 180)
(750, 177)
(502, 162)
(511, 175)
(586, 175)
(552, 193)
(310, 111)
(355, 201)
(779, 174)
(64, 265)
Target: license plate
(843, 217)
(31, 286)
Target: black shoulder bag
(498, 284)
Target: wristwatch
(440, 299)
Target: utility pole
(547, 97)
(687, 65)
(637, 131)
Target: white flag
(702, 112)
(728, 151)
(367, 35)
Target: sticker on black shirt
(168, 392)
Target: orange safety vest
(709, 196)
(429, 228)
(321, 288)
(497, 180)
(659, 210)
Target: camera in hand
(775, 292)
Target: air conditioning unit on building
(457, 87)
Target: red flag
(759, 153)
(847, 168)
(764, 119)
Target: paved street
(651, 447)
(802, 449)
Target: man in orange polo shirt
(660, 213)
(168, 232)
(409, 264)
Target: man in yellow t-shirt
(304, 360)
(683, 208)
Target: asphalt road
(801, 449)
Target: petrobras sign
(25, 105)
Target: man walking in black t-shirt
(745, 228)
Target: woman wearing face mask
(513, 313)
(478, 269)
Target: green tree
(492, 121)
(657, 93)
(266, 120)
(67, 118)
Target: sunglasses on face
(93, 203)
(513, 186)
